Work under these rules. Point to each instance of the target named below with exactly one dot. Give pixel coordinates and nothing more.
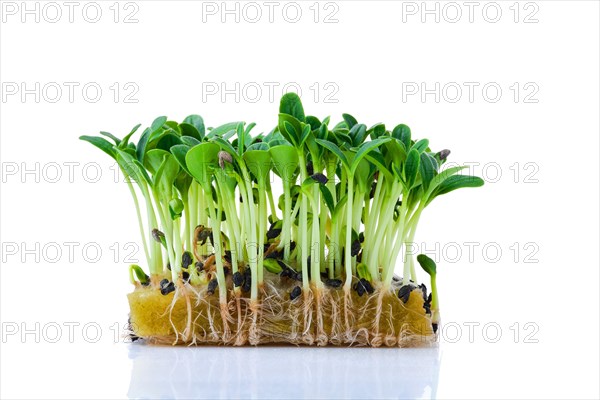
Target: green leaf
(179, 152)
(341, 133)
(223, 130)
(250, 126)
(132, 168)
(307, 185)
(428, 169)
(339, 206)
(183, 182)
(327, 196)
(275, 136)
(313, 122)
(314, 149)
(290, 128)
(201, 160)
(139, 273)
(350, 120)
(190, 141)
(259, 163)
(395, 151)
(259, 146)
(167, 141)
(376, 130)
(243, 137)
(427, 264)
(100, 143)
(421, 145)
(335, 150)
(111, 136)
(188, 130)
(434, 161)
(363, 272)
(362, 173)
(285, 161)
(398, 173)
(402, 133)
(172, 127)
(158, 123)
(439, 178)
(376, 159)
(305, 134)
(272, 265)
(365, 148)
(322, 132)
(142, 171)
(141, 147)
(279, 142)
(358, 133)
(457, 182)
(128, 150)
(175, 208)
(411, 168)
(415, 195)
(166, 175)
(125, 142)
(197, 122)
(292, 105)
(154, 159)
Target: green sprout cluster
(351, 198)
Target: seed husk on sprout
(212, 286)
(238, 279)
(295, 293)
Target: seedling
(290, 236)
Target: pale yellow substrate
(326, 317)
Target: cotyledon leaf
(411, 167)
(201, 160)
(427, 264)
(100, 143)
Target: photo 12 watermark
(470, 92)
(55, 172)
(476, 252)
(70, 252)
(489, 332)
(69, 92)
(54, 12)
(53, 332)
(268, 92)
(253, 12)
(453, 12)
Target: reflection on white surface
(282, 372)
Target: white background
(540, 293)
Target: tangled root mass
(324, 316)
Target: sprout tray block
(324, 317)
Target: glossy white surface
(282, 372)
(463, 370)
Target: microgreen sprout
(344, 205)
(429, 266)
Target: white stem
(347, 256)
